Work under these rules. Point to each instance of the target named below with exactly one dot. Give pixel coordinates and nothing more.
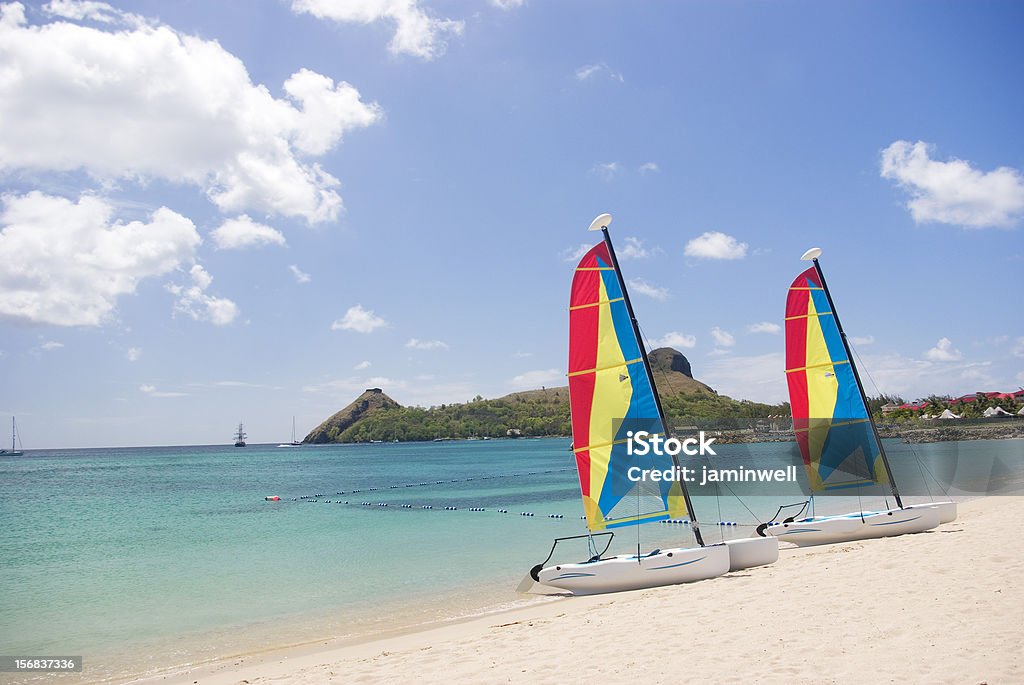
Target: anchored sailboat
(294, 442)
(14, 451)
(611, 392)
(837, 437)
(240, 436)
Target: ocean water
(141, 559)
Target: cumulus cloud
(862, 339)
(150, 102)
(722, 338)
(300, 275)
(133, 354)
(91, 10)
(537, 378)
(715, 245)
(676, 340)
(417, 344)
(507, 4)
(633, 248)
(243, 232)
(649, 168)
(416, 32)
(362, 366)
(359, 320)
(943, 352)
(953, 192)
(765, 327)
(50, 345)
(66, 263)
(642, 287)
(575, 254)
(761, 378)
(193, 300)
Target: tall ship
(240, 436)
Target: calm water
(145, 558)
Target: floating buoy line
(318, 498)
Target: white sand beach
(938, 607)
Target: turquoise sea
(141, 559)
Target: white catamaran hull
(824, 530)
(947, 510)
(750, 552)
(629, 572)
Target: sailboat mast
(860, 385)
(695, 525)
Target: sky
(213, 213)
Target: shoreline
(893, 607)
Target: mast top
(601, 222)
(812, 253)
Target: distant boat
(240, 436)
(835, 431)
(294, 442)
(15, 442)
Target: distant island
(373, 416)
(688, 404)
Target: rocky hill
(372, 401)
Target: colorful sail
(611, 393)
(829, 417)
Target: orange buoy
(272, 498)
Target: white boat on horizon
(294, 442)
(15, 440)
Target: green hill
(545, 412)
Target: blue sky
(224, 212)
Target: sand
(937, 607)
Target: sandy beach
(938, 607)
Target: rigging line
(917, 457)
(740, 500)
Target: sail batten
(831, 422)
(610, 393)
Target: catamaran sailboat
(611, 390)
(837, 437)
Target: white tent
(995, 411)
(947, 414)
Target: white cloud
(575, 254)
(606, 171)
(416, 32)
(88, 10)
(943, 352)
(760, 378)
(193, 300)
(66, 263)
(243, 232)
(359, 320)
(765, 327)
(896, 374)
(862, 339)
(633, 248)
(676, 340)
(134, 354)
(417, 344)
(537, 378)
(507, 4)
(521, 355)
(153, 392)
(644, 288)
(1018, 347)
(722, 338)
(589, 71)
(151, 102)
(362, 366)
(715, 245)
(649, 168)
(300, 275)
(954, 192)
(50, 345)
